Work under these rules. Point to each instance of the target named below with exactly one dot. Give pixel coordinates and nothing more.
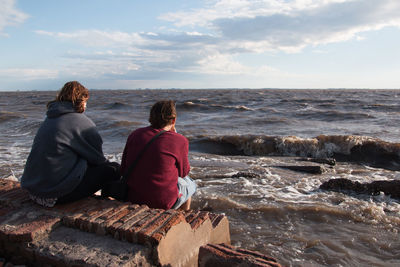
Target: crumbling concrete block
(152, 236)
(26, 225)
(71, 247)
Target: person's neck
(168, 127)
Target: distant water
(238, 141)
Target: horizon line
(210, 88)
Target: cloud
(97, 38)
(219, 33)
(221, 64)
(126, 52)
(99, 63)
(290, 25)
(240, 9)
(29, 74)
(9, 15)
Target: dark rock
(328, 161)
(374, 154)
(343, 184)
(216, 147)
(391, 188)
(308, 169)
(246, 175)
(223, 176)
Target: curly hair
(73, 92)
(162, 113)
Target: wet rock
(224, 176)
(343, 184)
(391, 188)
(328, 161)
(246, 175)
(216, 147)
(375, 154)
(308, 169)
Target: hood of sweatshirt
(57, 109)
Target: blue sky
(128, 44)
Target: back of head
(162, 114)
(74, 92)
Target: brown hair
(162, 113)
(73, 92)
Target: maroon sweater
(154, 180)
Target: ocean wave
(268, 120)
(40, 102)
(118, 106)
(122, 123)
(198, 106)
(121, 128)
(332, 115)
(372, 151)
(327, 105)
(383, 107)
(8, 115)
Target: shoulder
(139, 132)
(80, 119)
(77, 124)
(177, 137)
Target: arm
(86, 140)
(183, 164)
(123, 160)
(89, 146)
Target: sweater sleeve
(183, 163)
(124, 158)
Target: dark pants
(96, 177)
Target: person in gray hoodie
(66, 162)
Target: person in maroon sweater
(160, 178)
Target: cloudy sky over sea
(126, 44)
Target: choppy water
(238, 141)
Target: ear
(173, 121)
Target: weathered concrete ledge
(103, 232)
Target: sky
(130, 44)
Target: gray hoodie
(63, 146)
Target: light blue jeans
(187, 187)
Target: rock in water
(391, 188)
(308, 169)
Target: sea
(241, 142)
